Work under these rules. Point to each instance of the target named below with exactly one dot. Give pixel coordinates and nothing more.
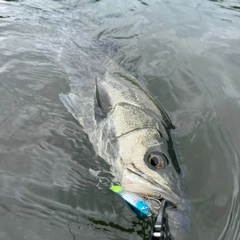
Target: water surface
(188, 55)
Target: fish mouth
(154, 195)
(152, 191)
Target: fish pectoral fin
(70, 103)
(85, 102)
(81, 110)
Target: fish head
(149, 171)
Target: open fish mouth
(155, 194)
(152, 191)
(177, 210)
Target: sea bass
(132, 133)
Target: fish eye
(157, 160)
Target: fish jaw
(154, 194)
(157, 193)
(177, 211)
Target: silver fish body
(132, 134)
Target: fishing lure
(136, 203)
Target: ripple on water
(188, 58)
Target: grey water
(187, 53)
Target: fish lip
(178, 208)
(154, 190)
(157, 193)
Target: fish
(132, 132)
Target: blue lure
(136, 203)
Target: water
(188, 55)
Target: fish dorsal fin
(98, 102)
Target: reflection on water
(188, 55)
(228, 5)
